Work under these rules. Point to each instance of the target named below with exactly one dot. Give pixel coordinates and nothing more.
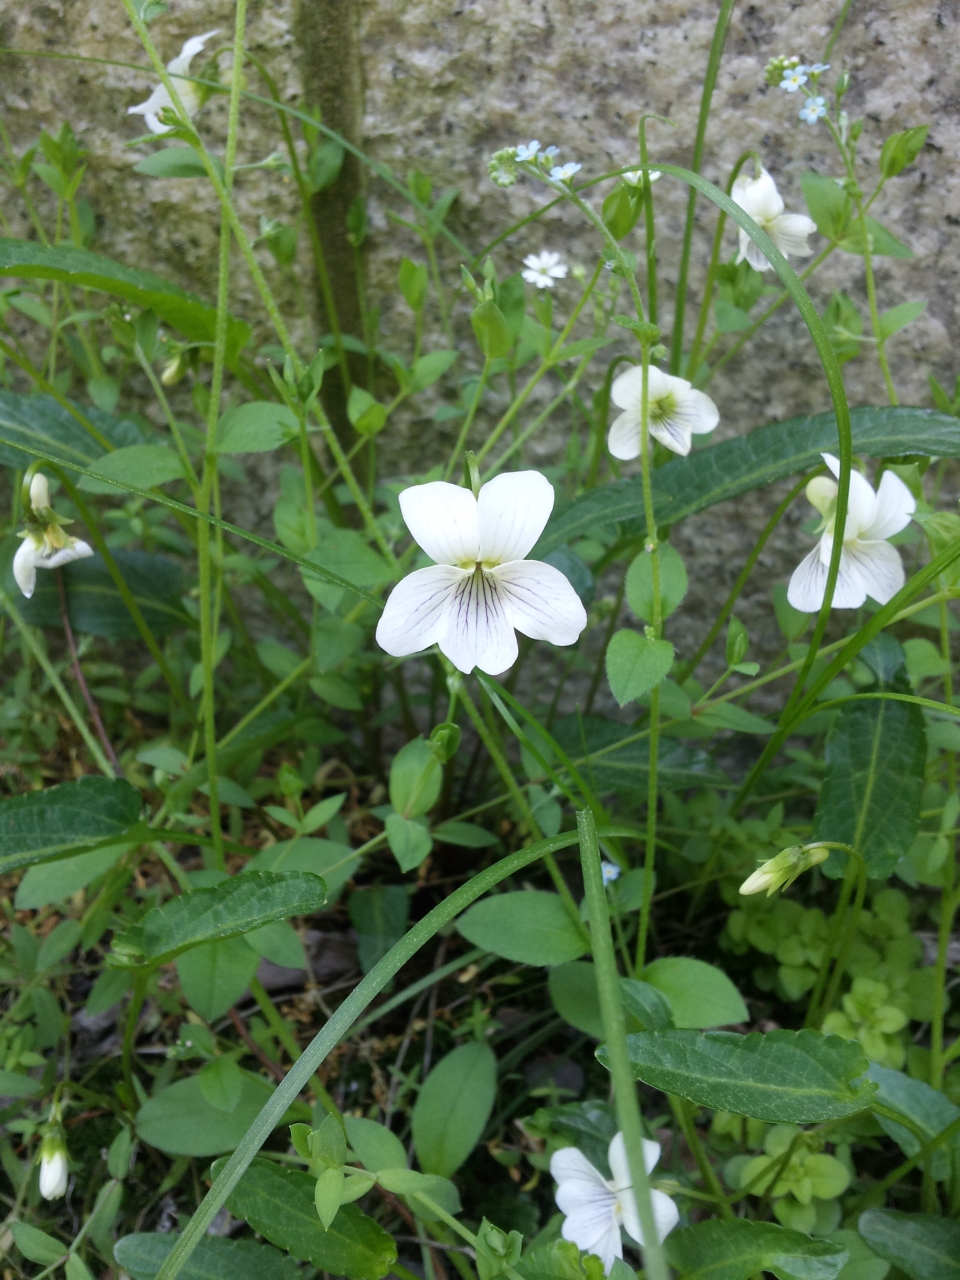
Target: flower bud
(173, 371)
(39, 492)
(781, 871)
(53, 1164)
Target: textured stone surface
(446, 84)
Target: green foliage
(40, 825)
(738, 1249)
(923, 1247)
(528, 927)
(699, 994)
(636, 664)
(639, 582)
(216, 1258)
(181, 1121)
(452, 1108)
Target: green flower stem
(436, 1212)
(921, 1157)
(685, 1112)
(157, 387)
(488, 736)
(690, 667)
(337, 1027)
(611, 1010)
(280, 687)
(528, 431)
(140, 979)
(837, 28)
(456, 455)
(708, 284)
(814, 1014)
(709, 83)
(851, 920)
(546, 364)
(71, 708)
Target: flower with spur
(813, 110)
(794, 79)
(481, 587)
(675, 412)
(543, 268)
(45, 544)
(595, 1207)
(191, 95)
(789, 231)
(565, 172)
(869, 566)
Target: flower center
(663, 408)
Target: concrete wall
(446, 83)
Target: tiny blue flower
(565, 172)
(813, 109)
(819, 68)
(610, 872)
(793, 79)
(551, 153)
(528, 151)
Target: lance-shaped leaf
(923, 1247)
(685, 486)
(42, 423)
(215, 1258)
(238, 905)
(183, 311)
(278, 1203)
(737, 1249)
(38, 825)
(788, 1077)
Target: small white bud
(39, 492)
(53, 1166)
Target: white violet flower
(813, 109)
(544, 268)
(565, 172)
(635, 177)
(675, 412)
(789, 231)
(794, 79)
(45, 544)
(481, 587)
(595, 1208)
(191, 95)
(528, 150)
(53, 1158)
(610, 872)
(869, 566)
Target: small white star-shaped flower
(189, 93)
(869, 566)
(675, 412)
(481, 587)
(813, 109)
(595, 1208)
(542, 269)
(528, 150)
(789, 231)
(819, 68)
(610, 872)
(794, 78)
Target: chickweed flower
(191, 95)
(795, 79)
(565, 172)
(869, 566)
(542, 269)
(789, 231)
(781, 871)
(675, 412)
(595, 1208)
(481, 587)
(45, 544)
(813, 109)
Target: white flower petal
(666, 1215)
(181, 63)
(570, 1163)
(623, 438)
(77, 550)
(789, 233)
(758, 196)
(879, 567)
(443, 520)
(862, 502)
(894, 506)
(512, 512)
(414, 615)
(672, 432)
(620, 1166)
(808, 583)
(25, 567)
(477, 631)
(753, 253)
(593, 1234)
(540, 601)
(627, 389)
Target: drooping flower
(481, 587)
(610, 872)
(813, 109)
(544, 268)
(191, 95)
(595, 1208)
(565, 172)
(781, 871)
(795, 78)
(53, 1158)
(635, 177)
(528, 150)
(789, 231)
(45, 543)
(869, 566)
(675, 412)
